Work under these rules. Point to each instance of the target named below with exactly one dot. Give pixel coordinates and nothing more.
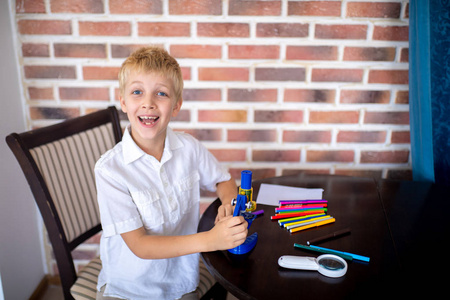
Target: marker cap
(246, 180)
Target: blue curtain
(429, 89)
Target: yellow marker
(332, 220)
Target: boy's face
(149, 102)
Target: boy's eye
(162, 94)
(136, 92)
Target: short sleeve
(118, 212)
(210, 170)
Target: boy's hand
(228, 233)
(224, 211)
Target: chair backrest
(58, 163)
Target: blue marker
(355, 256)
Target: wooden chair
(58, 163)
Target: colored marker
(300, 214)
(307, 222)
(354, 256)
(284, 222)
(287, 211)
(284, 202)
(333, 235)
(344, 256)
(284, 208)
(258, 212)
(332, 220)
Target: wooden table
(392, 222)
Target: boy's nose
(148, 103)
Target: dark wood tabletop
(386, 220)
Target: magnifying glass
(328, 264)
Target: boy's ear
(177, 107)
(122, 104)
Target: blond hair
(153, 60)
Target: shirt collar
(131, 151)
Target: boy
(148, 191)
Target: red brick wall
(271, 86)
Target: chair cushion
(85, 287)
(206, 280)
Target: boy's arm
(226, 191)
(228, 233)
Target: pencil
(335, 234)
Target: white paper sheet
(270, 194)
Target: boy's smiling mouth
(148, 120)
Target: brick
(254, 8)
(210, 135)
(164, 29)
(307, 95)
(337, 75)
(252, 95)
(53, 27)
(373, 10)
(47, 72)
(282, 30)
(53, 113)
(291, 172)
(148, 7)
(257, 135)
(280, 74)
(234, 116)
(202, 95)
(361, 137)
(276, 155)
(307, 136)
(35, 50)
(80, 50)
(40, 93)
(365, 96)
(183, 116)
(330, 156)
(30, 6)
(281, 116)
(223, 30)
(311, 52)
(387, 117)
(188, 7)
(100, 73)
(389, 76)
(79, 6)
(353, 32)
(83, 93)
(391, 33)
(402, 97)
(123, 51)
(257, 174)
(334, 117)
(400, 137)
(223, 74)
(369, 53)
(229, 154)
(359, 173)
(398, 157)
(253, 52)
(404, 55)
(315, 8)
(186, 73)
(196, 51)
(105, 28)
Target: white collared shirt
(134, 190)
